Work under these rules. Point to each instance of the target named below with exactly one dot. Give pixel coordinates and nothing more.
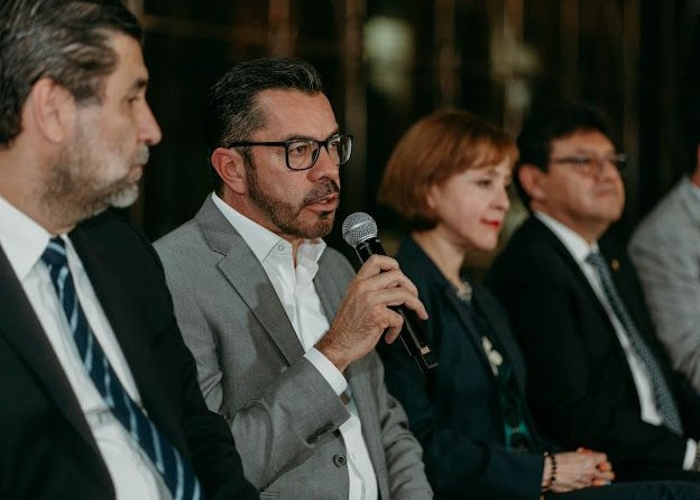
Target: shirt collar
(22, 239)
(261, 240)
(577, 246)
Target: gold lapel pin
(615, 265)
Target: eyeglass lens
(303, 154)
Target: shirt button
(339, 460)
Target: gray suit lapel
(363, 393)
(247, 276)
(328, 291)
(357, 374)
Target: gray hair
(65, 40)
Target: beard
(285, 215)
(78, 188)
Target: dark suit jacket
(580, 386)
(455, 410)
(47, 450)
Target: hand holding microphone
(368, 311)
(360, 231)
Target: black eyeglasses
(593, 165)
(302, 154)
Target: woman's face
(471, 206)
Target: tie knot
(55, 253)
(597, 260)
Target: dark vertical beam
(569, 40)
(631, 16)
(281, 30)
(446, 87)
(355, 106)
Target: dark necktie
(662, 393)
(176, 473)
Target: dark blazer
(454, 410)
(580, 386)
(47, 450)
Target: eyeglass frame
(286, 144)
(585, 161)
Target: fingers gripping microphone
(360, 232)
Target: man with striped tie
(100, 394)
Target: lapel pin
(615, 265)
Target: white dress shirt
(296, 291)
(579, 250)
(24, 241)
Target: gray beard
(72, 198)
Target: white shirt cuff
(690, 451)
(329, 372)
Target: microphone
(360, 232)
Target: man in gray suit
(282, 330)
(665, 249)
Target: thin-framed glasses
(593, 165)
(302, 154)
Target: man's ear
(51, 110)
(531, 179)
(230, 165)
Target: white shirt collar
(577, 246)
(22, 239)
(261, 240)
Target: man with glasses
(282, 330)
(598, 377)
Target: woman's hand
(579, 469)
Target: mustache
(321, 192)
(142, 156)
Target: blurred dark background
(386, 63)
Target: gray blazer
(666, 251)
(283, 414)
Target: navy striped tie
(176, 473)
(664, 397)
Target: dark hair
(233, 113)
(435, 148)
(65, 40)
(549, 123)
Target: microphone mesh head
(359, 227)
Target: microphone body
(412, 333)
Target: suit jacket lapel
(131, 330)
(551, 240)
(472, 330)
(247, 276)
(22, 330)
(356, 374)
(498, 326)
(328, 291)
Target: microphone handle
(412, 334)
